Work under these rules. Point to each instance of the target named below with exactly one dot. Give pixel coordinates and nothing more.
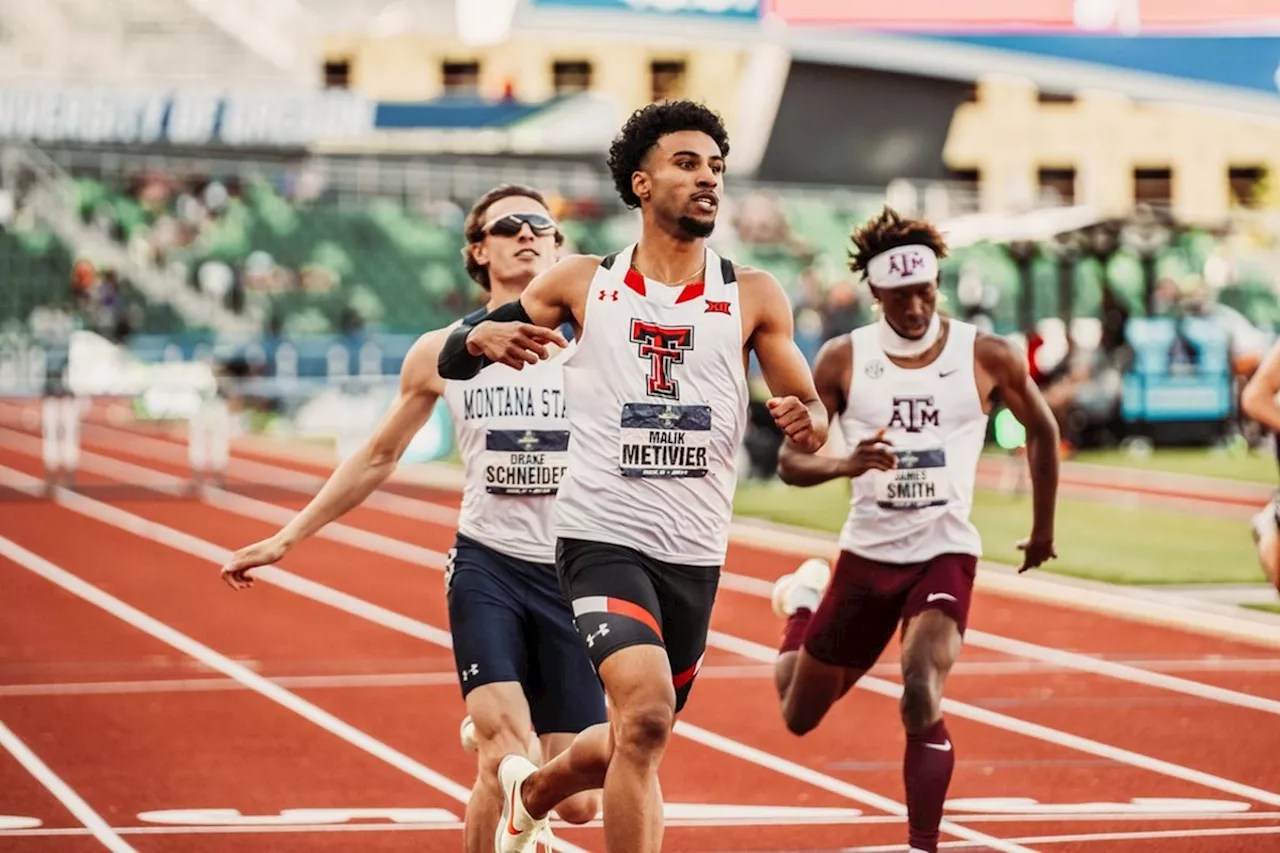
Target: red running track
(135, 726)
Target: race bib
(659, 440)
(524, 461)
(920, 480)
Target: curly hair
(473, 225)
(649, 124)
(887, 230)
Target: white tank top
(657, 405)
(937, 425)
(513, 436)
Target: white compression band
(903, 265)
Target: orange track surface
(133, 725)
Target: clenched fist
(796, 422)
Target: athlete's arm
(795, 406)
(517, 333)
(1007, 367)
(832, 372)
(1259, 397)
(361, 473)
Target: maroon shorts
(866, 600)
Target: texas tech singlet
(935, 420)
(657, 406)
(513, 437)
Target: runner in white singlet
(521, 664)
(657, 405)
(1259, 401)
(912, 393)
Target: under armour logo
(601, 631)
(613, 295)
(467, 673)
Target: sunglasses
(510, 225)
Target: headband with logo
(903, 265)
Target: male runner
(1259, 402)
(657, 406)
(912, 392)
(520, 662)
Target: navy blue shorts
(510, 623)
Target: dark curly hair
(649, 124)
(887, 230)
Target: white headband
(903, 265)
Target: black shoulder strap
(727, 271)
(607, 261)
(471, 318)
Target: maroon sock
(927, 773)
(793, 634)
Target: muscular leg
(589, 763)
(929, 650)
(637, 680)
(807, 688)
(501, 719)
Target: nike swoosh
(942, 375)
(939, 596)
(511, 818)
(941, 747)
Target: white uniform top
(657, 406)
(937, 425)
(513, 436)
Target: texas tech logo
(663, 346)
(913, 413)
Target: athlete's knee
(801, 717)
(921, 703)
(497, 736)
(644, 727)
(580, 808)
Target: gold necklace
(699, 273)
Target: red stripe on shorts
(685, 677)
(636, 612)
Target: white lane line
(318, 592)
(716, 639)
(221, 663)
(757, 651)
(835, 786)
(74, 802)
(1092, 837)
(739, 583)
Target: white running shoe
(806, 583)
(468, 734)
(518, 831)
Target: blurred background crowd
(279, 186)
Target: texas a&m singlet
(936, 423)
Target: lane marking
(739, 583)
(219, 662)
(716, 639)
(354, 606)
(73, 802)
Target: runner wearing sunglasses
(521, 664)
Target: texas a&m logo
(663, 346)
(905, 263)
(913, 413)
